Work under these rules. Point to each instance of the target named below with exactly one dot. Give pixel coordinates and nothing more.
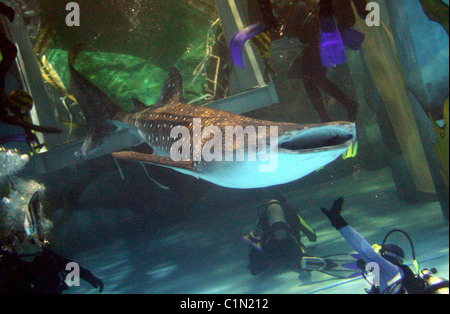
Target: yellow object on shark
(441, 146)
(351, 152)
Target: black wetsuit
(304, 23)
(290, 248)
(303, 20)
(45, 275)
(9, 53)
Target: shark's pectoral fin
(155, 160)
(96, 137)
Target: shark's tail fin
(73, 53)
(96, 105)
(98, 108)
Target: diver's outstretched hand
(96, 283)
(334, 214)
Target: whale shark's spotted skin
(300, 149)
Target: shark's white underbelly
(285, 168)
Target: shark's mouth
(319, 138)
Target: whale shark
(267, 154)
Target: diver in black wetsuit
(302, 19)
(277, 236)
(29, 266)
(40, 272)
(309, 65)
(8, 107)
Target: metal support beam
(248, 101)
(64, 155)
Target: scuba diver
(15, 108)
(27, 264)
(20, 104)
(394, 276)
(308, 20)
(277, 236)
(8, 55)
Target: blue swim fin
(352, 38)
(332, 48)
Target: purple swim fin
(240, 38)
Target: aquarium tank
(224, 147)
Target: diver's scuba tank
(425, 281)
(435, 285)
(277, 220)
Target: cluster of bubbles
(11, 162)
(16, 194)
(14, 205)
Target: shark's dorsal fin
(172, 91)
(139, 105)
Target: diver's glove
(334, 214)
(96, 283)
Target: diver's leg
(321, 80)
(311, 73)
(315, 96)
(258, 262)
(343, 13)
(333, 90)
(361, 6)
